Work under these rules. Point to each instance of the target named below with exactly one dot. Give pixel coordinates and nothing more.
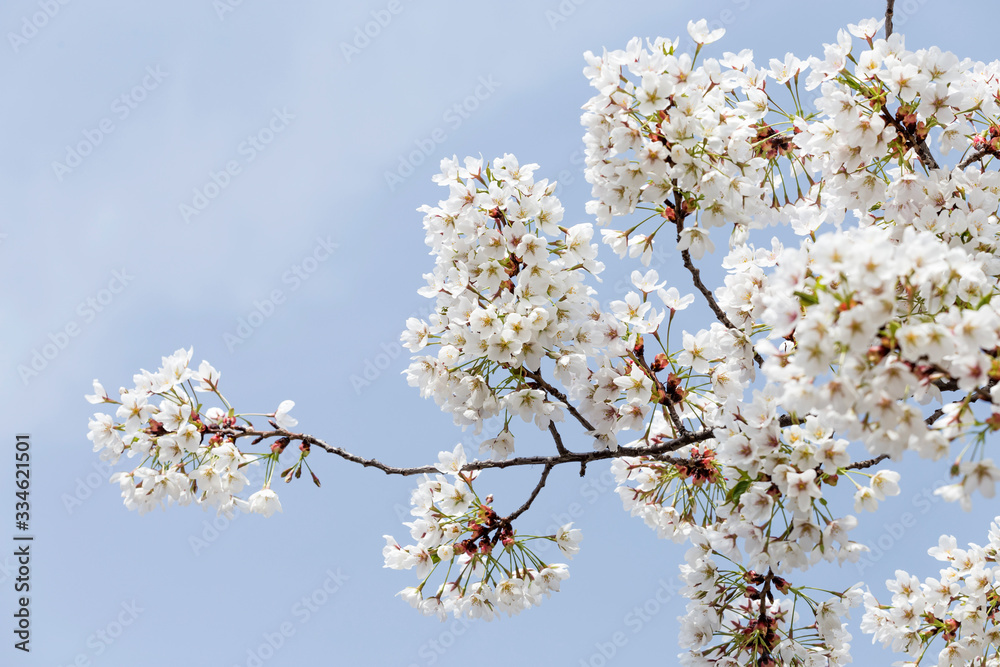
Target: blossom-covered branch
(866, 330)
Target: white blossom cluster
(509, 290)
(866, 330)
(671, 136)
(762, 625)
(890, 319)
(489, 568)
(958, 607)
(184, 453)
(508, 282)
(869, 326)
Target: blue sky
(245, 154)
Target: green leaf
(734, 493)
(807, 299)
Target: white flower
(885, 483)
(673, 300)
(414, 338)
(569, 540)
(282, 418)
(451, 462)
(264, 502)
(208, 377)
(696, 241)
(646, 283)
(864, 499)
(637, 385)
(783, 71)
(802, 488)
(99, 395)
(700, 33)
(501, 446)
(866, 29)
(104, 436)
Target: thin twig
(918, 145)
(558, 439)
(665, 447)
(889, 6)
(679, 428)
(537, 377)
(534, 494)
(861, 465)
(569, 457)
(696, 279)
(974, 156)
(676, 419)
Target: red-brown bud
(660, 362)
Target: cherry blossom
(855, 323)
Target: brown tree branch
(676, 419)
(558, 439)
(534, 494)
(671, 409)
(919, 146)
(561, 397)
(974, 156)
(889, 6)
(861, 465)
(665, 447)
(696, 278)
(569, 457)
